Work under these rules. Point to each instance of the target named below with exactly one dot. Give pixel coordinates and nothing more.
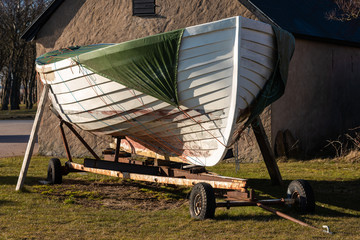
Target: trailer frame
(235, 191)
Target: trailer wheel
(202, 201)
(54, 173)
(302, 192)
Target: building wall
(93, 21)
(321, 99)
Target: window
(143, 7)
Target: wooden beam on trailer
(216, 181)
(33, 134)
(266, 151)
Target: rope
(151, 112)
(170, 148)
(162, 142)
(187, 115)
(93, 115)
(86, 77)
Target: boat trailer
(202, 197)
(234, 191)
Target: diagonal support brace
(266, 151)
(72, 129)
(33, 134)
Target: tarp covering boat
(148, 64)
(181, 94)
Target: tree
(17, 56)
(29, 78)
(346, 10)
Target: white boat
(221, 68)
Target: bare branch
(346, 10)
(17, 58)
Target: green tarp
(275, 86)
(69, 52)
(148, 65)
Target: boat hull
(222, 68)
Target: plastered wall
(103, 21)
(322, 98)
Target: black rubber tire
(54, 174)
(302, 192)
(202, 201)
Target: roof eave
(264, 18)
(257, 12)
(34, 28)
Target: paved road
(14, 136)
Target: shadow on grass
(12, 180)
(338, 197)
(174, 192)
(338, 194)
(334, 198)
(5, 203)
(261, 218)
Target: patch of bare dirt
(123, 195)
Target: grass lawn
(22, 113)
(88, 206)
